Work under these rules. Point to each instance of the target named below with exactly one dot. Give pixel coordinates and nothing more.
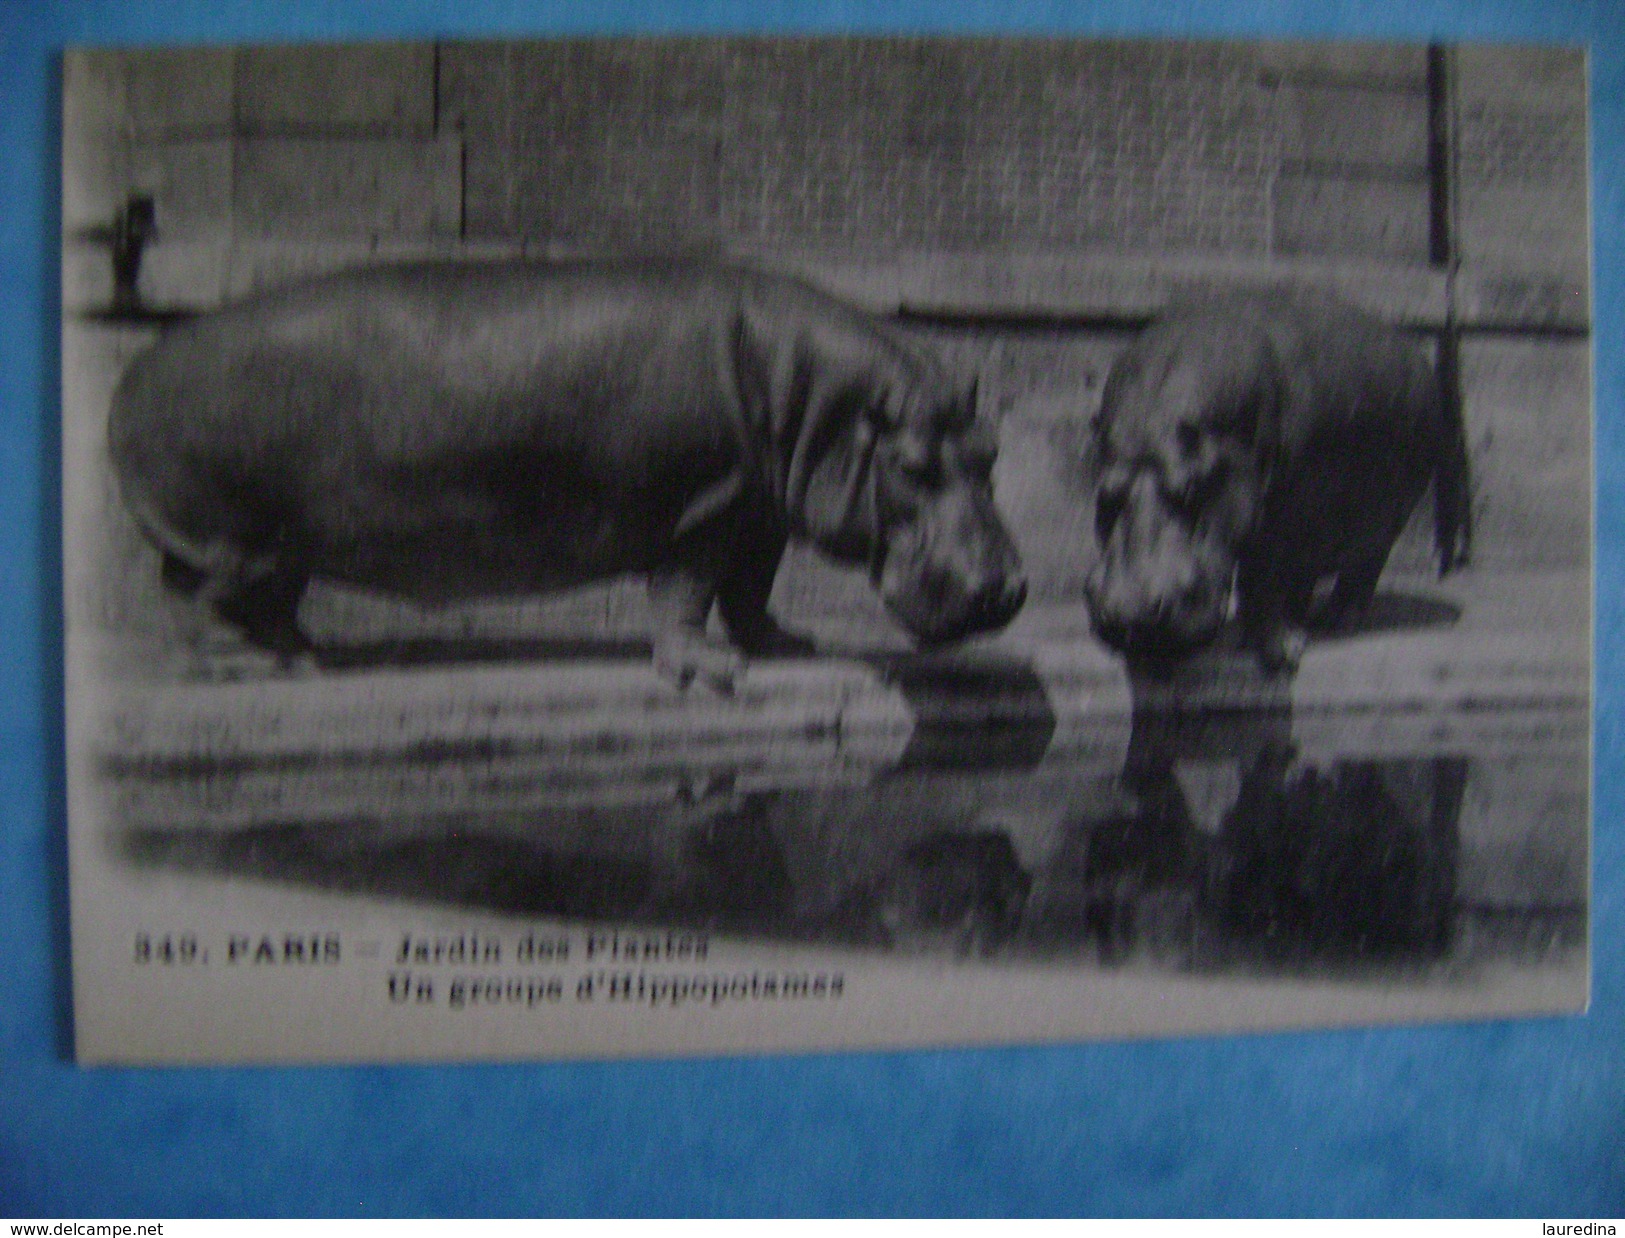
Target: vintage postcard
(663, 546)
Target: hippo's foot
(217, 651)
(684, 656)
(1271, 623)
(289, 656)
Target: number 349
(168, 948)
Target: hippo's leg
(680, 599)
(742, 599)
(1264, 606)
(179, 576)
(261, 611)
(730, 562)
(1351, 596)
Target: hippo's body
(1276, 443)
(451, 431)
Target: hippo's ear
(970, 400)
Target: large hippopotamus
(1264, 451)
(443, 431)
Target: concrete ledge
(1067, 288)
(378, 742)
(987, 290)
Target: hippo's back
(1341, 373)
(506, 422)
(370, 352)
(1360, 431)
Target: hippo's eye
(1189, 438)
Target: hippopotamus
(1263, 453)
(447, 431)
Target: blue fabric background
(1506, 1118)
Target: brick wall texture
(931, 145)
(851, 146)
(867, 145)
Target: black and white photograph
(661, 546)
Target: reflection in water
(439, 862)
(1232, 844)
(1212, 843)
(989, 712)
(958, 893)
(1352, 861)
(1356, 859)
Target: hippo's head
(1181, 445)
(914, 501)
(947, 567)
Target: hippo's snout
(1162, 586)
(942, 609)
(1157, 610)
(952, 571)
(1154, 637)
(984, 610)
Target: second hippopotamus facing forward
(1264, 452)
(449, 431)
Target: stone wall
(857, 145)
(986, 172)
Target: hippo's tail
(1452, 483)
(188, 563)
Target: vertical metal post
(1441, 172)
(1444, 254)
